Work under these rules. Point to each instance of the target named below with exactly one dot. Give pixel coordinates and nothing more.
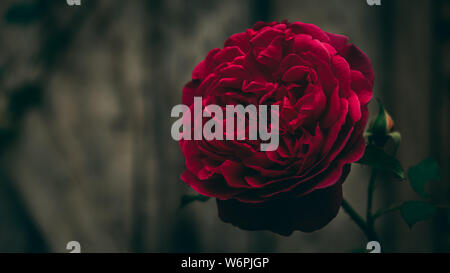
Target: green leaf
(420, 174)
(187, 199)
(397, 138)
(379, 159)
(416, 211)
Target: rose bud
(381, 128)
(382, 124)
(322, 85)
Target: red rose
(322, 85)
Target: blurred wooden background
(85, 100)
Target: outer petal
(358, 60)
(288, 214)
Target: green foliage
(420, 174)
(397, 138)
(187, 199)
(379, 159)
(416, 211)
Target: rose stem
(371, 235)
(371, 188)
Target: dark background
(85, 100)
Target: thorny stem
(368, 225)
